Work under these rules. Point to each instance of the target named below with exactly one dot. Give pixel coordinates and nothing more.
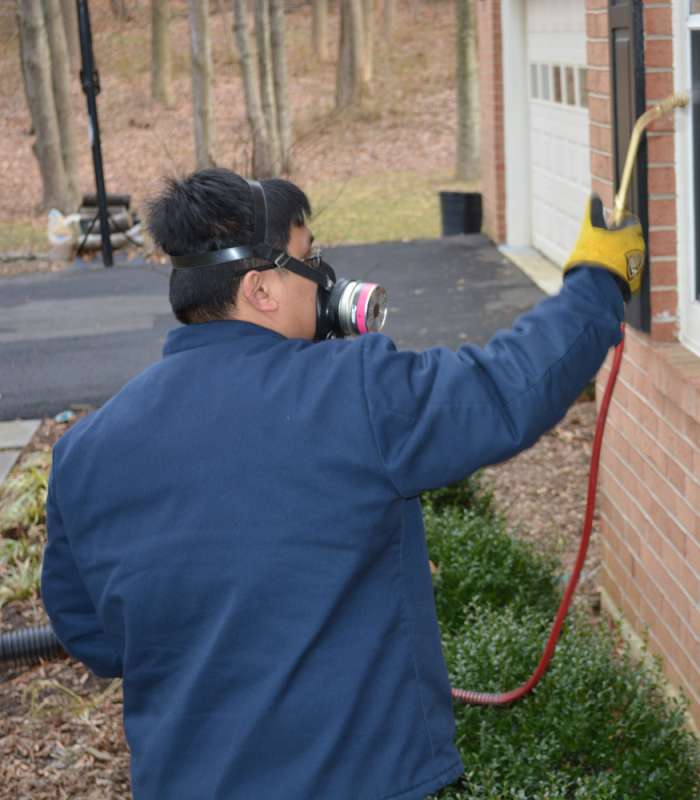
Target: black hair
(210, 210)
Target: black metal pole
(90, 82)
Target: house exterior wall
(488, 15)
(650, 468)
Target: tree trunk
(279, 70)
(119, 9)
(161, 60)
(60, 77)
(368, 53)
(262, 156)
(70, 23)
(350, 86)
(320, 29)
(267, 88)
(227, 32)
(37, 70)
(389, 14)
(200, 49)
(467, 89)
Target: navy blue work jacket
(237, 533)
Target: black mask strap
(258, 248)
(260, 207)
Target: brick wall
(650, 503)
(488, 14)
(650, 486)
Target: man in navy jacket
(238, 533)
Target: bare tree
(202, 112)
(279, 70)
(389, 15)
(368, 51)
(119, 9)
(320, 29)
(267, 86)
(70, 23)
(161, 59)
(60, 81)
(227, 31)
(262, 155)
(467, 92)
(350, 86)
(36, 67)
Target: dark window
(556, 75)
(583, 87)
(570, 86)
(544, 83)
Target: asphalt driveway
(77, 336)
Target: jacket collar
(187, 337)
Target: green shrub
(476, 557)
(465, 494)
(597, 726)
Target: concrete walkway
(77, 336)
(14, 436)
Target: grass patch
(379, 208)
(598, 727)
(23, 529)
(24, 236)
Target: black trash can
(461, 212)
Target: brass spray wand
(664, 107)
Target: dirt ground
(61, 730)
(407, 124)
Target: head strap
(258, 248)
(260, 207)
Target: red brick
(598, 81)
(662, 180)
(664, 301)
(664, 273)
(597, 26)
(658, 53)
(662, 243)
(601, 138)
(658, 86)
(601, 164)
(658, 21)
(664, 331)
(661, 149)
(662, 213)
(598, 54)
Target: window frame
(687, 163)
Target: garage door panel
(559, 124)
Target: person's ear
(258, 290)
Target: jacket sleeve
(67, 601)
(439, 415)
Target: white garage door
(559, 137)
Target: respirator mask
(343, 307)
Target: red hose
(489, 699)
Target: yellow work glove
(620, 250)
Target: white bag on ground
(63, 232)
